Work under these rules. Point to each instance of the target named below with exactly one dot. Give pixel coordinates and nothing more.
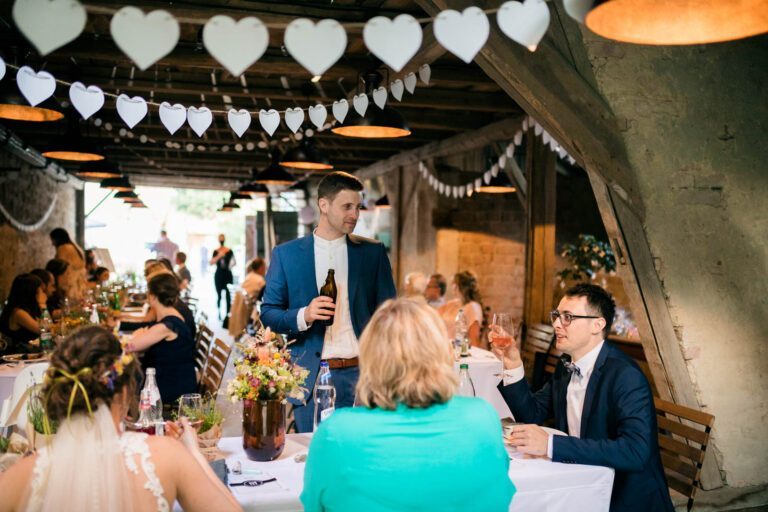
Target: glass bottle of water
(94, 319)
(466, 387)
(155, 403)
(46, 334)
(460, 333)
(324, 395)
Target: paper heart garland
(462, 33)
(525, 23)
(293, 118)
(86, 100)
(380, 97)
(131, 110)
(172, 116)
(510, 151)
(317, 47)
(36, 87)
(199, 119)
(318, 114)
(410, 82)
(236, 45)
(395, 42)
(518, 138)
(360, 102)
(340, 109)
(49, 24)
(396, 88)
(269, 120)
(425, 72)
(239, 120)
(144, 38)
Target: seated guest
(182, 271)
(469, 301)
(601, 399)
(99, 277)
(49, 287)
(91, 266)
(91, 464)
(20, 319)
(415, 285)
(412, 445)
(435, 291)
(254, 281)
(168, 345)
(58, 269)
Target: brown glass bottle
(329, 290)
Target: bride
(90, 465)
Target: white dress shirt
(574, 395)
(340, 340)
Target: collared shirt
(575, 394)
(340, 340)
(166, 249)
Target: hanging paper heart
(2, 68)
(36, 87)
(236, 45)
(487, 177)
(144, 38)
(510, 151)
(239, 120)
(172, 116)
(131, 110)
(518, 138)
(395, 42)
(425, 72)
(526, 122)
(578, 9)
(318, 114)
(455, 192)
(88, 100)
(538, 129)
(293, 118)
(495, 170)
(380, 97)
(49, 24)
(317, 47)
(525, 23)
(360, 102)
(478, 183)
(396, 88)
(470, 188)
(462, 33)
(410, 82)
(571, 160)
(269, 120)
(441, 187)
(545, 138)
(199, 119)
(503, 161)
(340, 109)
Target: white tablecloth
(8, 374)
(485, 371)
(542, 486)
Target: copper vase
(263, 429)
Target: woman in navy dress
(168, 345)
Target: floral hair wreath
(117, 368)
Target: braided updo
(466, 281)
(88, 353)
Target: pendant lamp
(306, 155)
(499, 184)
(274, 174)
(254, 189)
(99, 169)
(14, 107)
(128, 196)
(237, 196)
(377, 123)
(383, 202)
(120, 184)
(73, 147)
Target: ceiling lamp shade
(73, 147)
(99, 169)
(677, 22)
(14, 107)
(499, 184)
(120, 184)
(274, 174)
(383, 202)
(228, 206)
(254, 190)
(237, 196)
(305, 155)
(140, 204)
(376, 124)
(126, 195)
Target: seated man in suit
(292, 303)
(599, 396)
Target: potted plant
(265, 377)
(209, 433)
(586, 259)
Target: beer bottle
(329, 290)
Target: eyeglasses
(566, 318)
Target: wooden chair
(214, 367)
(683, 439)
(538, 339)
(553, 357)
(204, 342)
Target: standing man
(165, 248)
(298, 269)
(435, 292)
(598, 396)
(185, 276)
(223, 258)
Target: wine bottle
(329, 290)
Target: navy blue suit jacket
(292, 284)
(618, 427)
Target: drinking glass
(503, 331)
(191, 407)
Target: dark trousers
(221, 280)
(344, 380)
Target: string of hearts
(459, 191)
(38, 86)
(236, 45)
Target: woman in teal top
(413, 446)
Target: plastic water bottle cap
(464, 366)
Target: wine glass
(503, 331)
(191, 407)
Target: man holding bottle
(328, 328)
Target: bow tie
(571, 367)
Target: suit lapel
(561, 414)
(308, 263)
(353, 268)
(594, 382)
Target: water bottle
(324, 395)
(153, 394)
(46, 334)
(460, 333)
(94, 319)
(466, 387)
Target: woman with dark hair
(90, 464)
(467, 300)
(99, 277)
(90, 263)
(73, 281)
(168, 345)
(20, 320)
(57, 268)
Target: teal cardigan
(446, 457)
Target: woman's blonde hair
(405, 357)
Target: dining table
(485, 371)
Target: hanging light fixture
(678, 22)
(73, 147)
(274, 174)
(377, 123)
(306, 155)
(383, 203)
(254, 189)
(499, 184)
(99, 169)
(237, 196)
(138, 205)
(15, 107)
(120, 184)
(126, 194)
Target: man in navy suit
(599, 396)
(292, 304)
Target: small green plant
(211, 415)
(36, 414)
(4, 443)
(587, 258)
